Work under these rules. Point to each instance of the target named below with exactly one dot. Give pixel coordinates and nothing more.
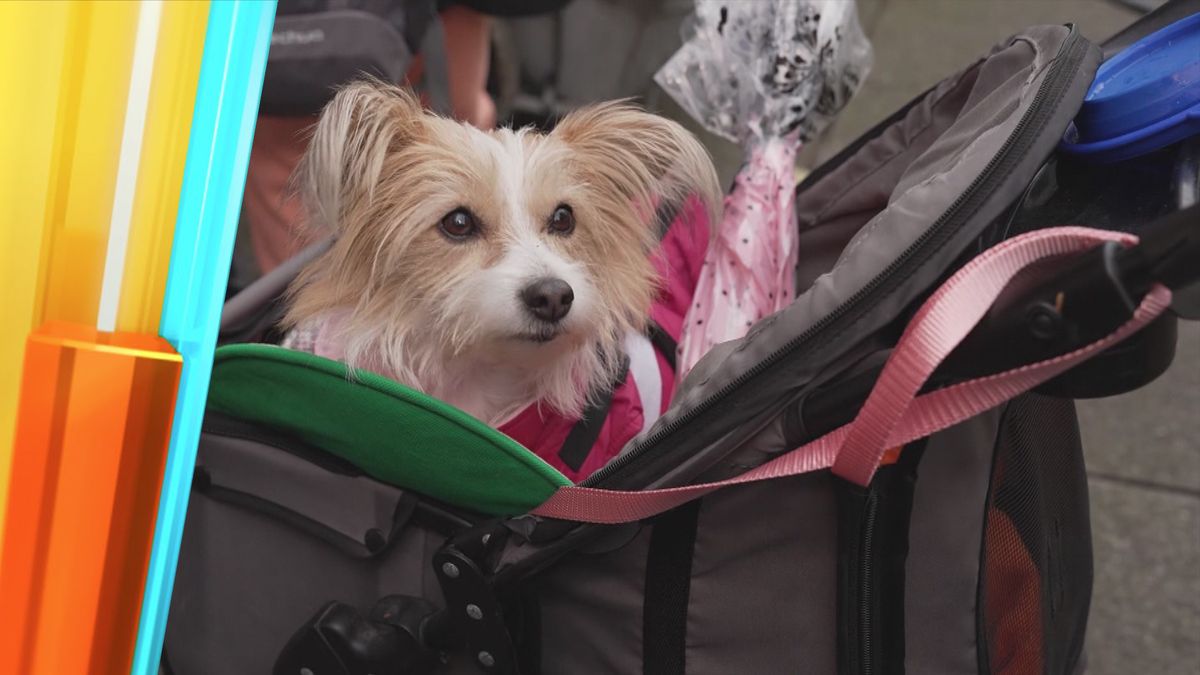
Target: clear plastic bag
(769, 68)
(768, 75)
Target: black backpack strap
(668, 590)
(575, 450)
(663, 342)
(578, 445)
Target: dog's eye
(459, 224)
(563, 220)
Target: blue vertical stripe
(227, 97)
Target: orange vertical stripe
(90, 449)
(45, 381)
(83, 506)
(143, 456)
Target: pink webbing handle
(893, 415)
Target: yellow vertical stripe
(164, 149)
(65, 68)
(61, 148)
(33, 38)
(85, 181)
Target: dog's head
(457, 245)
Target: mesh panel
(1037, 564)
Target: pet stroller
(360, 527)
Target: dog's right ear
(357, 129)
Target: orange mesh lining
(1012, 601)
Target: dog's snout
(548, 299)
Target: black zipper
(1044, 104)
(867, 587)
(866, 556)
(873, 533)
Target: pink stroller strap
(893, 415)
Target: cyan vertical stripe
(227, 97)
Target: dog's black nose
(548, 299)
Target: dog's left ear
(642, 158)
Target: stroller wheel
(339, 640)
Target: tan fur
(381, 173)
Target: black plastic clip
(472, 611)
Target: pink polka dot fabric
(748, 272)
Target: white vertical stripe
(149, 16)
(643, 366)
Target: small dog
(491, 270)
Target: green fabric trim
(393, 433)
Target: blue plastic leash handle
(1144, 98)
(227, 97)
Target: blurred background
(1142, 448)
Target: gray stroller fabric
(271, 536)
